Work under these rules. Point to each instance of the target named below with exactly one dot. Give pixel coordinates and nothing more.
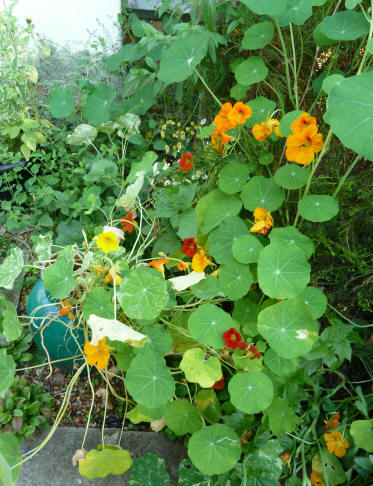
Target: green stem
(286, 60)
(315, 165)
(348, 172)
(295, 68)
(207, 87)
(369, 37)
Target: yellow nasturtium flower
(263, 130)
(97, 355)
(107, 241)
(200, 262)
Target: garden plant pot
(53, 332)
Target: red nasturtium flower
(219, 385)
(189, 247)
(253, 349)
(185, 162)
(232, 338)
(333, 422)
(128, 222)
(285, 457)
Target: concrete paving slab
(53, 465)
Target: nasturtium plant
(291, 176)
(215, 449)
(258, 36)
(251, 391)
(318, 208)
(266, 7)
(278, 365)
(98, 463)
(235, 279)
(199, 369)
(184, 418)
(232, 177)
(208, 323)
(246, 249)
(262, 192)
(222, 238)
(252, 70)
(292, 236)
(149, 380)
(61, 103)
(153, 290)
(281, 416)
(289, 328)
(283, 271)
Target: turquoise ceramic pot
(51, 330)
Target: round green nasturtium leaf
(262, 108)
(149, 381)
(246, 312)
(315, 300)
(262, 192)
(97, 106)
(226, 206)
(9, 457)
(318, 3)
(59, 278)
(143, 293)
(215, 449)
(266, 158)
(345, 25)
(61, 103)
(350, 111)
(184, 418)
(265, 465)
(278, 365)
(351, 4)
(232, 177)
(238, 92)
(292, 236)
(7, 370)
(331, 81)
(221, 238)
(266, 7)
(159, 340)
(297, 12)
(98, 301)
(207, 288)
(258, 36)
(251, 391)
(281, 416)
(320, 38)
(109, 460)
(317, 208)
(283, 271)
(246, 249)
(291, 176)
(251, 70)
(208, 323)
(235, 279)
(287, 120)
(198, 369)
(149, 469)
(289, 328)
(179, 60)
(362, 433)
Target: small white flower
(205, 176)
(203, 121)
(165, 166)
(155, 168)
(166, 183)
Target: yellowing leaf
(100, 463)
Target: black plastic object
(5, 194)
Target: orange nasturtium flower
(107, 241)
(302, 146)
(302, 122)
(221, 120)
(239, 113)
(263, 221)
(285, 457)
(128, 222)
(66, 309)
(335, 443)
(316, 479)
(182, 266)
(218, 139)
(110, 277)
(333, 422)
(159, 265)
(200, 262)
(97, 355)
(263, 130)
(100, 270)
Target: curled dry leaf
(79, 454)
(158, 425)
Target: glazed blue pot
(52, 331)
